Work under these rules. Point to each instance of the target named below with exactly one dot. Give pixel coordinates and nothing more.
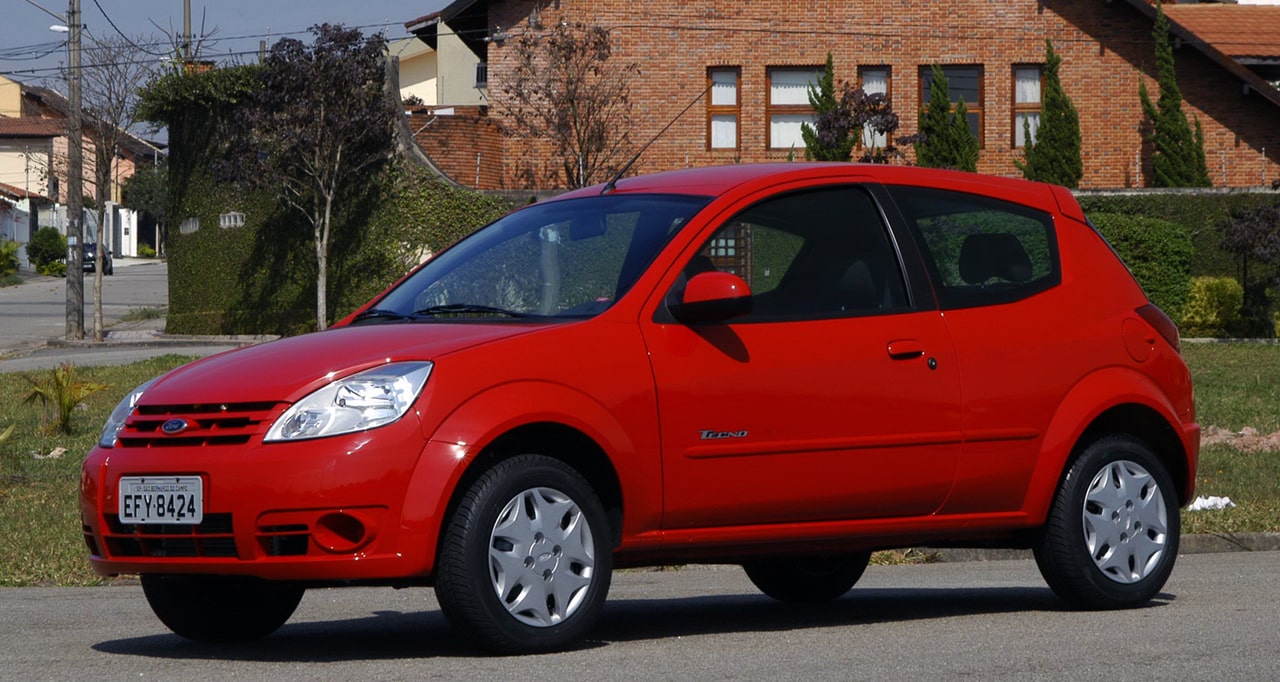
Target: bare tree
(566, 90)
(114, 68)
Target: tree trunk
(98, 332)
(322, 262)
(322, 279)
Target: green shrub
(145, 251)
(58, 391)
(1158, 252)
(55, 269)
(47, 246)
(1212, 308)
(8, 257)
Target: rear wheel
(220, 608)
(807, 579)
(525, 559)
(1112, 534)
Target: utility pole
(75, 178)
(186, 33)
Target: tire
(525, 562)
(1112, 534)
(807, 579)
(220, 608)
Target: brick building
(758, 56)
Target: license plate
(161, 499)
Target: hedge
(1201, 212)
(260, 278)
(1158, 252)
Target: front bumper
(318, 510)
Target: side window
(812, 254)
(981, 251)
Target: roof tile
(1237, 31)
(30, 126)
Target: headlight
(363, 401)
(121, 414)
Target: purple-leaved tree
(318, 128)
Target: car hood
(288, 369)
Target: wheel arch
(557, 441)
(1112, 400)
(1146, 424)
(538, 417)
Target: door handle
(905, 349)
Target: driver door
(832, 399)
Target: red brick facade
(464, 143)
(1106, 49)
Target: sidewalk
(27, 345)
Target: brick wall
(463, 142)
(1106, 49)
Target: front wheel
(807, 579)
(525, 562)
(220, 608)
(1112, 534)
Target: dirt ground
(1247, 439)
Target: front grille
(286, 540)
(215, 424)
(90, 541)
(210, 538)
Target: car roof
(717, 181)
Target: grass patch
(41, 542)
(140, 314)
(1237, 386)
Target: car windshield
(562, 259)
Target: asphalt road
(35, 311)
(33, 321)
(1218, 619)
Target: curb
(1189, 544)
(147, 338)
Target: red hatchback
(783, 366)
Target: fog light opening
(340, 532)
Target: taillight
(1161, 322)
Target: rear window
(981, 251)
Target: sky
(31, 53)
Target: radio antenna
(613, 182)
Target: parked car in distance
(90, 259)
(781, 366)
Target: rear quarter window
(981, 251)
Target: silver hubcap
(541, 557)
(1125, 522)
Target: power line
(122, 35)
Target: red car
(783, 366)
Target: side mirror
(713, 297)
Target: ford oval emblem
(174, 426)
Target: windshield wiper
(379, 314)
(467, 309)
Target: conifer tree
(831, 137)
(948, 142)
(1177, 158)
(963, 144)
(1054, 156)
